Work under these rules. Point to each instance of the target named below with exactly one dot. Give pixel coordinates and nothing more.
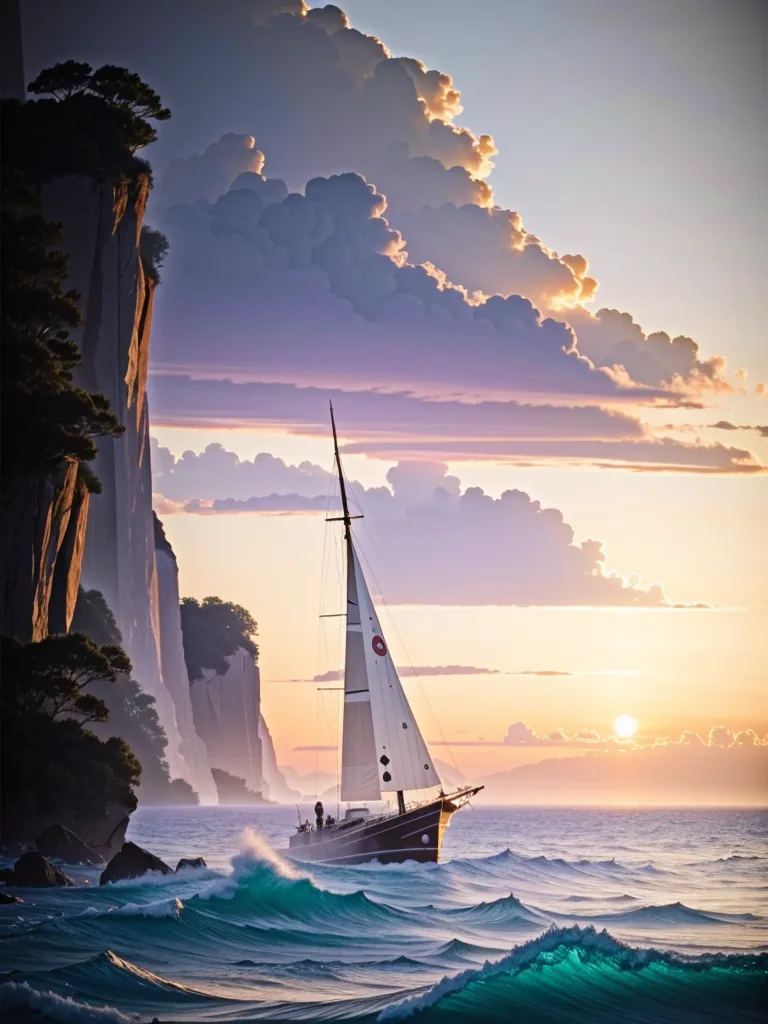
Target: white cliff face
(275, 784)
(226, 714)
(192, 749)
(101, 226)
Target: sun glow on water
(625, 726)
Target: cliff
(275, 784)
(226, 715)
(174, 670)
(101, 225)
(43, 520)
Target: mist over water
(534, 914)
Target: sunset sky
(606, 161)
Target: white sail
(359, 767)
(401, 759)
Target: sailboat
(382, 751)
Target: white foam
(518, 957)
(19, 995)
(162, 908)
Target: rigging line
(405, 651)
(339, 724)
(322, 639)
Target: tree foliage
(50, 762)
(213, 630)
(45, 417)
(107, 111)
(50, 678)
(153, 248)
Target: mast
(346, 518)
(382, 746)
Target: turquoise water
(535, 915)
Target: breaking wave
(274, 941)
(584, 975)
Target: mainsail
(383, 750)
(359, 769)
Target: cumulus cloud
(496, 254)
(441, 544)
(322, 98)
(613, 339)
(318, 288)
(209, 174)
(521, 735)
(337, 98)
(216, 472)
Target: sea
(534, 915)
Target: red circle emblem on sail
(379, 647)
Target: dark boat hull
(415, 835)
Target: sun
(625, 726)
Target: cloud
(611, 338)
(325, 274)
(413, 671)
(520, 735)
(321, 98)
(543, 672)
(399, 425)
(208, 175)
(338, 99)
(216, 472)
(726, 425)
(652, 454)
(441, 544)
(496, 254)
(723, 769)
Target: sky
(530, 281)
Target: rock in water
(58, 841)
(191, 862)
(5, 897)
(33, 870)
(132, 862)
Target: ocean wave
(548, 867)
(590, 975)
(19, 996)
(107, 977)
(460, 952)
(666, 914)
(508, 910)
(264, 890)
(623, 898)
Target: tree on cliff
(91, 123)
(87, 121)
(153, 247)
(50, 762)
(49, 678)
(45, 418)
(213, 630)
